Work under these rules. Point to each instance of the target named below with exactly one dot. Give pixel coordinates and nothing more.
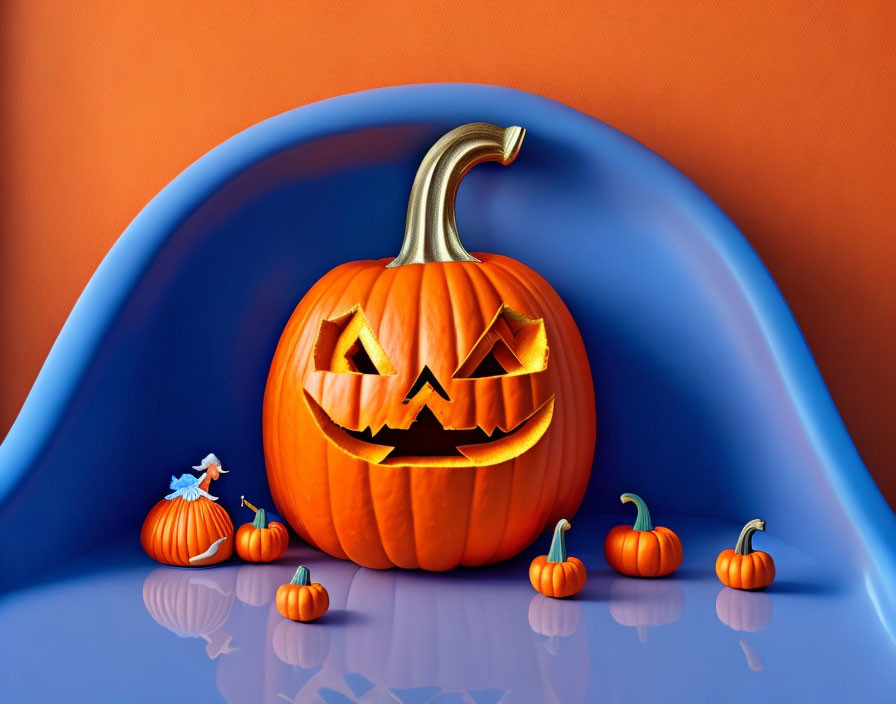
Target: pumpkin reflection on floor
(302, 645)
(193, 604)
(742, 611)
(429, 638)
(388, 635)
(267, 657)
(754, 659)
(564, 648)
(256, 584)
(641, 603)
(745, 612)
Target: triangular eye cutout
(346, 345)
(359, 360)
(512, 344)
(489, 366)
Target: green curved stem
(557, 553)
(745, 541)
(642, 522)
(301, 577)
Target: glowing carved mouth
(428, 443)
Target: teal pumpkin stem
(642, 522)
(745, 541)
(302, 577)
(261, 516)
(557, 553)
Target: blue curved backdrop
(709, 402)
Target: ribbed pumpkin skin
(299, 602)
(261, 544)
(176, 530)
(434, 518)
(557, 579)
(752, 571)
(643, 553)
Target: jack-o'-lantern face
(426, 430)
(427, 413)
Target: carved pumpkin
(642, 550)
(187, 528)
(555, 574)
(436, 410)
(260, 541)
(744, 567)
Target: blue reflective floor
(115, 627)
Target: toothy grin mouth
(426, 442)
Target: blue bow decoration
(187, 488)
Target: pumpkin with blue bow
(188, 528)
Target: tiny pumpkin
(300, 600)
(260, 541)
(743, 567)
(642, 550)
(187, 528)
(555, 574)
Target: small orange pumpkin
(300, 600)
(642, 550)
(187, 528)
(743, 567)
(260, 541)
(555, 574)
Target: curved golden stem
(431, 231)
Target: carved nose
(426, 378)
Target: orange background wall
(783, 112)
